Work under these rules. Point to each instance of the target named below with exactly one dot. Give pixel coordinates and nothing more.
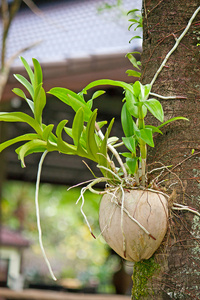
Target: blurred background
(76, 42)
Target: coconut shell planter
(122, 232)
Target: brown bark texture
(179, 146)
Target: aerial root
(177, 206)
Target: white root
(38, 214)
(177, 206)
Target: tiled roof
(12, 238)
(71, 29)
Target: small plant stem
(113, 150)
(175, 45)
(38, 214)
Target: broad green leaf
(25, 83)
(77, 126)
(147, 136)
(21, 94)
(28, 70)
(30, 147)
(20, 117)
(147, 89)
(127, 121)
(155, 108)
(132, 164)
(72, 99)
(68, 131)
(21, 138)
(129, 142)
(39, 102)
(133, 73)
(172, 120)
(133, 60)
(103, 82)
(38, 77)
(91, 143)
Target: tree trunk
(179, 145)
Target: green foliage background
(73, 252)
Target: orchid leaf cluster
(88, 140)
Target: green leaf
(172, 120)
(126, 154)
(132, 11)
(135, 37)
(38, 77)
(63, 146)
(30, 147)
(130, 104)
(153, 128)
(102, 156)
(25, 83)
(133, 73)
(91, 143)
(72, 99)
(21, 94)
(95, 95)
(132, 164)
(77, 126)
(155, 108)
(127, 121)
(133, 60)
(129, 142)
(21, 138)
(147, 136)
(108, 82)
(39, 103)
(20, 117)
(46, 132)
(28, 70)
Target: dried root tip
(150, 235)
(93, 235)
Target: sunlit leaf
(91, 144)
(21, 94)
(133, 60)
(28, 69)
(39, 102)
(21, 138)
(38, 77)
(30, 147)
(77, 126)
(25, 83)
(20, 117)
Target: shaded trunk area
(179, 146)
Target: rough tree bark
(179, 145)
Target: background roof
(72, 28)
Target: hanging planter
(136, 229)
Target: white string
(38, 214)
